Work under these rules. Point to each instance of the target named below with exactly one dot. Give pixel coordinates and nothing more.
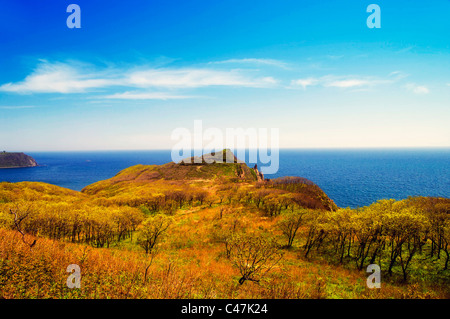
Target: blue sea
(352, 178)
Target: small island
(16, 160)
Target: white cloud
(417, 89)
(65, 78)
(304, 82)
(56, 78)
(194, 78)
(343, 82)
(348, 83)
(146, 96)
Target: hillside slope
(192, 259)
(144, 184)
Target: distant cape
(16, 160)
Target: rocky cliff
(12, 160)
(259, 175)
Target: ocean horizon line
(281, 148)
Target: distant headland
(16, 160)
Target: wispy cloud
(404, 50)
(64, 78)
(147, 96)
(194, 78)
(57, 78)
(348, 83)
(343, 82)
(304, 82)
(417, 89)
(398, 75)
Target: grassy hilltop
(197, 230)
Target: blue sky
(137, 70)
